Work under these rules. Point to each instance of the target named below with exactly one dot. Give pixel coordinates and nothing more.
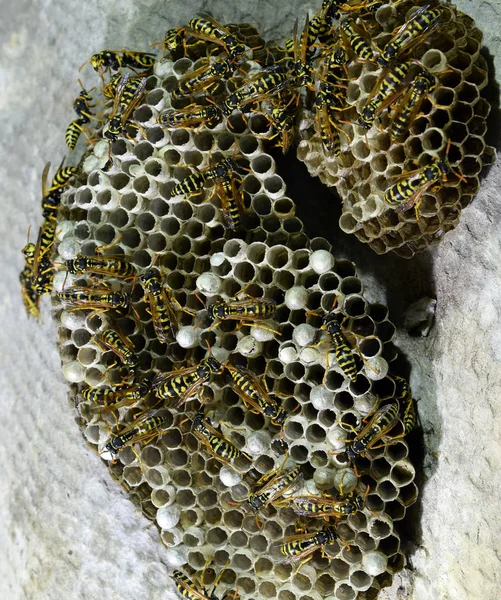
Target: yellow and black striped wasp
(31, 299)
(409, 191)
(51, 199)
(215, 441)
(250, 311)
(182, 384)
(323, 506)
(319, 26)
(207, 28)
(203, 78)
(377, 428)
(386, 90)
(189, 591)
(143, 429)
(343, 350)
(107, 399)
(282, 120)
(195, 182)
(111, 265)
(407, 407)
(254, 395)
(356, 39)
(173, 41)
(276, 484)
(192, 116)
(300, 68)
(302, 546)
(407, 109)
(161, 306)
(82, 106)
(424, 21)
(265, 84)
(129, 94)
(73, 131)
(93, 298)
(115, 60)
(109, 339)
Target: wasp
(61, 178)
(323, 506)
(207, 28)
(112, 265)
(42, 282)
(282, 120)
(275, 486)
(173, 41)
(184, 383)
(190, 592)
(416, 30)
(115, 60)
(203, 78)
(195, 182)
(230, 195)
(128, 95)
(385, 91)
(404, 396)
(261, 86)
(191, 116)
(408, 107)
(160, 301)
(31, 299)
(300, 67)
(302, 546)
(213, 438)
(342, 348)
(73, 132)
(108, 400)
(254, 395)
(110, 339)
(144, 428)
(353, 37)
(82, 104)
(83, 298)
(248, 312)
(414, 184)
(328, 131)
(378, 426)
(318, 26)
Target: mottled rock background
(66, 529)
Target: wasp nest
(198, 504)
(370, 161)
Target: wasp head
(214, 365)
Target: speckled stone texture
(66, 529)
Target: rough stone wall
(79, 537)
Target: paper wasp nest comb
(196, 502)
(370, 161)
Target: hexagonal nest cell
(372, 160)
(197, 504)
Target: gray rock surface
(66, 529)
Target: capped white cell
(168, 517)
(177, 557)
(69, 247)
(321, 398)
(72, 319)
(346, 480)
(296, 297)
(101, 149)
(336, 437)
(188, 336)
(264, 333)
(287, 354)
(217, 259)
(248, 346)
(229, 477)
(259, 442)
(308, 356)
(208, 283)
(220, 354)
(91, 163)
(321, 261)
(304, 334)
(324, 478)
(64, 228)
(376, 368)
(74, 372)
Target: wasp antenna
(83, 65)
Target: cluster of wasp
(277, 90)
